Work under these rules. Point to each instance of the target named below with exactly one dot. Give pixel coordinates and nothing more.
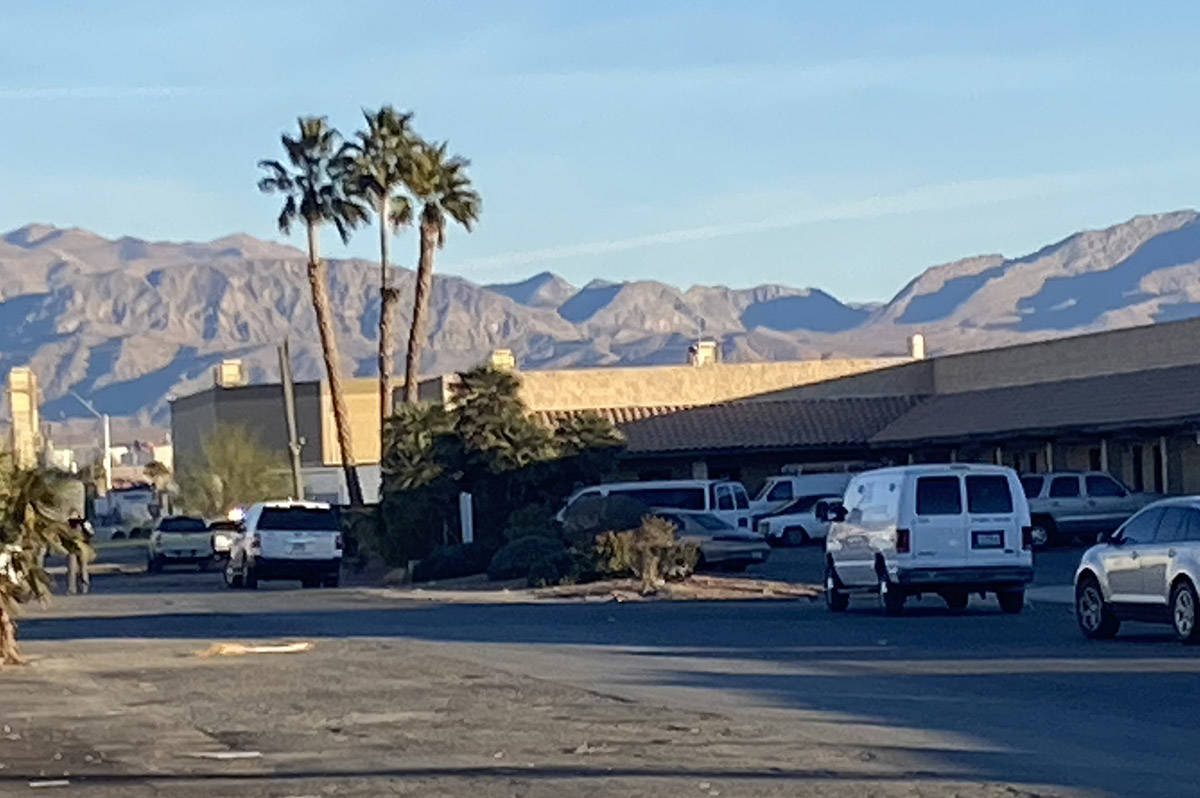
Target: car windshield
(681, 498)
(300, 519)
(182, 524)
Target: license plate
(298, 548)
(987, 540)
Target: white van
(723, 498)
(779, 491)
(951, 530)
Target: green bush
(516, 558)
(557, 569)
(451, 562)
(532, 519)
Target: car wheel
(1095, 616)
(836, 600)
(233, 580)
(310, 581)
(795, 536)
(333, 580)
(1184, 612)
(250, 581)
(154, 565)
(892, 599)
(1049, 530)
(1011, 601)
(956, 600)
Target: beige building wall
(362, 405)
(655, 386)
(23, 406)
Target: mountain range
(129, 323)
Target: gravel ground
(369, 717)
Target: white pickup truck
(179, 540)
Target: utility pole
(289, 409)
(107, 439)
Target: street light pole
(107, 439)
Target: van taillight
(903, 541)
(1027, 537)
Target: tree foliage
(440, 185)
(485, 443)
(234, 470)
(32, 521)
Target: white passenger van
(723, 498)
(950, 530)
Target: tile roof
(1139, 398)
(617, 415)
(759, 425)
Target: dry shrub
(650, 552)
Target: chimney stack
(704, 352)
(229, 374)
(916, 346)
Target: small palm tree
(441, 185)
(316, 189)
(31, 522)
(383, 162)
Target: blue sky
(841, 145)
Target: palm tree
(441, 185)
(382, 167)
(31, 522)
(316, 189)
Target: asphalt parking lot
(786, 698)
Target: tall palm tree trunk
(329, 351)
(387, 316)
(416, 336)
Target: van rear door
(299, 533)
(993, 522)
(939, 536)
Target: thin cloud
(92, 92)
(935, 197)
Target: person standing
(78, 578)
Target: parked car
(723, 498)
(178, 540)
(1148, 570)
(779, 491)
(287, 540)
(1083, 504)
(950, 530)
(721, 544)
(224, 532)
(798, 522)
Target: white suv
(1148, 570)
(287, 540)
(950, 530)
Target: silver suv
(1148, 570)
(1083, 504)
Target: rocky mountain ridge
(131, 322)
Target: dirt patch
(698, 587)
